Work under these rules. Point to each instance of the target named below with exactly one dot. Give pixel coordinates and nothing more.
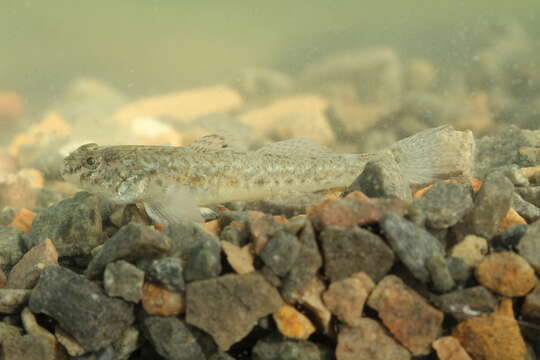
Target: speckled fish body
(167, 179)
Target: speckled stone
(368, 341)
(280, 253)
(229, 306)
(466, 303)
(449, 348)
(350, 250)
(412, 321)
(277, 348)
(25, 274)
(346, 298)
(441, 277)
(494, 336)
(157, 300)
(506, 273)
(11, 249)
(529, 245)
(125, 280)
(471, 250)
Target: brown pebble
(26, 272)
(408, 316)
(212, 227)
(368, 341)
(506, 273)
(260, 227)
(512, 218)
(162, 302)
(449, 348)
(23, 220)
(293, 324)
(240, 259)
(346, 298)
(494, 336)
(472, 249)
(71, 345)
(311, 299)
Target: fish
(173, 182)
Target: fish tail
(435, 153)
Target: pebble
(127, 344)
(12, 300)
(440, 275)
(509, 238)
(412, 244)
(293, 324)
(236, 233)
(412, 321)
(240, 258)
(74, 225)
(276, 348)
(25, 274)
(16, 191)
(124, 280)
(200, 251)
(471, 250)
(131, 242)
(355, 209)
(80, 307)
(531, 305)
(167, 271)
(449, 348)
(529, 244)
(221, 356)
(368, 341)
(157, 300)
(528, 211)
(310, 297)
(382, 178)
(261, 227)
(491, 205)
(7, 214)
(512, 218)
(71, 345)
(444, 204)
(280, 253)
(307, 264)
(32, 327)
(10, 246)
(173, 338)
(23, 220)
(350, 250)
(308, 112)
(28, 347)
(466, 303)
(494, 336)
(182, 106)
(506, 273)
(47, 197)
(262, 82)
(229, 306)
(530, 194)
(346, 298)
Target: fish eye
(91, 163)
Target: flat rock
(466, 303)
(124, 280)
(131, 242)
(173, 338)
(412, 244)
(494, 336)
(506, 273)
(276, 348)
(80, 307)
(529, 245)
(350, 250)
(346, 298)
(199, 250)
(355, 209)
(383, 178)
(491, 205)
(74, 225)
(291, 323)
(449, 348)
(157, 300)
(229, 306)
(444, 204)
(25, 274)
(12, 300)
(10, 246)
(368, 341)
(412, 321)
(280, 252)
(471, 250)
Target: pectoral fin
(172, 206)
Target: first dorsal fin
(299, 147)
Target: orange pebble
(512, 218)
(162, 302)
(23, 220)
(292, 323)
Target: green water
(147, 47)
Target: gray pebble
(467, 303)
(167, 271)
(440, 275)
(347, 250)
(280, 253)
(530, 212)
(529, 245)
(459, 270)
(125, 280)
(10, 246)
(413, 245)
(276, 348)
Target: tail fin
(435, 153)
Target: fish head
(100, 171)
